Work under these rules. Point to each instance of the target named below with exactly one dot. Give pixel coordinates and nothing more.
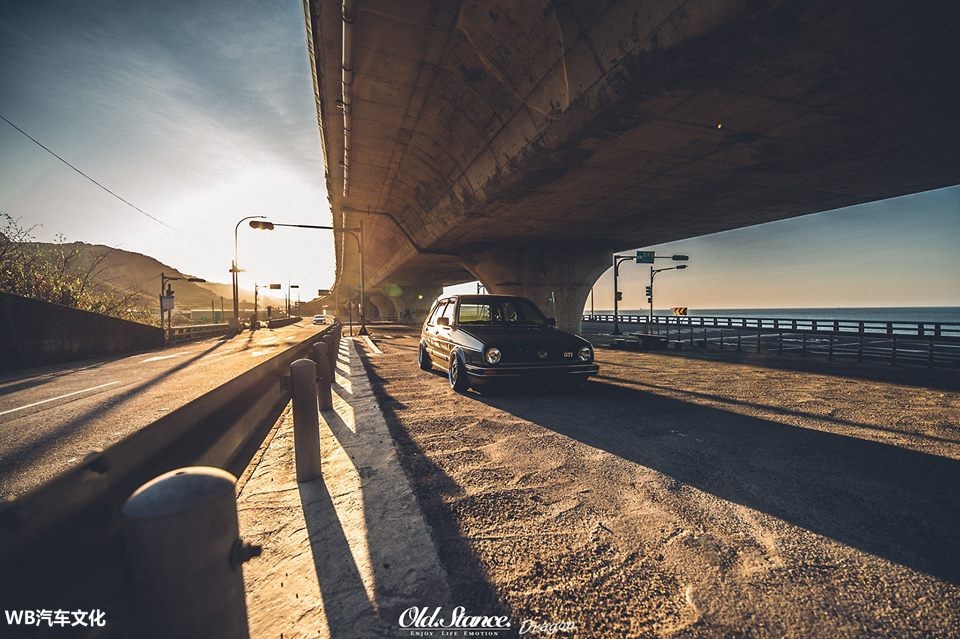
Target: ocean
(940, 314)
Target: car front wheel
(423, 359)
(456, 374)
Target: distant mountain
(129, 272)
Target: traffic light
(276, 287)
(619, 296)
(262, 225)
(680, 258)
(649, 291)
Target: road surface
(691, 496)
(51, 418)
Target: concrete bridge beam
(562, 273)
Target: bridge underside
(522, 142)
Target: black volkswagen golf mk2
(480, 339)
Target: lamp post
(642, 257)
(165, 284)
(355, 232)
(290, 295)
(235, 269)
(617, 295)
(654, 271)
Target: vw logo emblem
(542, 354)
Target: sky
(202, 113)
(198, 113)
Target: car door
(430, 332)
(445, 342)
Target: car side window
(448, 312)
(436, 313)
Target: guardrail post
(739, 336)
(184, 556)
(759, 335)
(333, 352)
(893, 353)
(830, 348)
(803, 345)
(930, 360)
(306, 419)
(324, 375)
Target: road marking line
(160, 357)
(85, 390)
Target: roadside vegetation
(64, 273)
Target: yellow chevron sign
(679, 310)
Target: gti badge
(542, 354)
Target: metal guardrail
(866, 327)
(196, 331)
(931, 343)
(61, 544)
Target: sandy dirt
(678, 496)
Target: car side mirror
(551, 321)
(443, 321)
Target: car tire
(423, 359)
(457, 375)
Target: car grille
(529, 355)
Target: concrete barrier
(34, 333)
(61, 544)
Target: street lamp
(256, 300)
(641, 257)
(165, 284)
(355, 232)
(235, 269)
(290, 294)
(654, 271)
(617, 295)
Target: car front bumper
(532, 371)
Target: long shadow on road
(891, 502)
(26, 455)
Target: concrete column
(568, 272)
(413, 302)
(383, 303)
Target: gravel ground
(691, 497)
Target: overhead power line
(51, 152)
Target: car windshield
(506, 311)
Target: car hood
(524, 336)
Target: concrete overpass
(520, 143)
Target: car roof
(480, 298)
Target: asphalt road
(51, 418)
(691, 496)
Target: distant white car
(319, 319)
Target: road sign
(166, 302)
(644, 257)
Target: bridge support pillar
(558, 279)
(411, 303)
(384, 305)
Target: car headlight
(492, 355)
(585, 354)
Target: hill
(128, 272)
